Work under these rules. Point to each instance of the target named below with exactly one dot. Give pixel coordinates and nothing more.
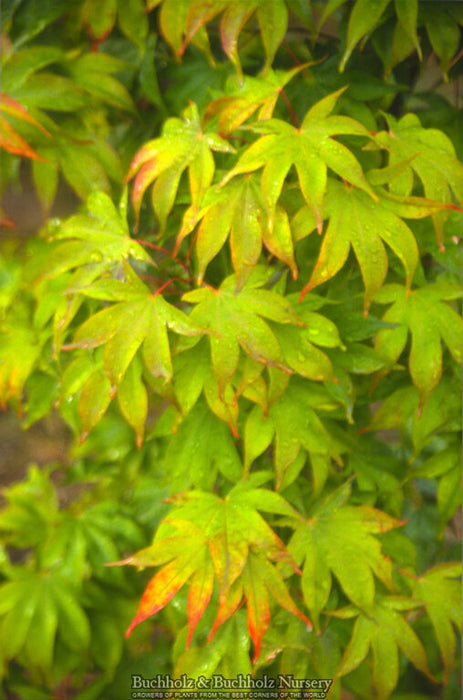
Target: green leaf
(92, 74)
(310, 148)
(182, 145)
(329, 541)
(133, 399)
(444, 34)
(16, 623)
(363, 18)
(358, 221)
(101, 238)
(94, 400)
(385, 631)
(25, 62)
(234, 321)
(201, 446)
(133, 21)
(147, 316)
(440, 592)
(407, 14)
(444, 465)
(424, 313)
(296, 425)
(42, 631)
(431, 157)
(100, 18)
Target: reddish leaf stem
(294, 118)
(166, 284)
(163, 250)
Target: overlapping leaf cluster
(277, 287)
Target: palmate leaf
(424, 313)
(238, 211)
(201, 446)
(385, 631)
(234, 321)
(440, 414)
(311, 149)
(207, 538)
(431, 157)
(138, 318)
(440, 592)
(100, 239)
(34, 609)
(357, 220)
(293, 423)
(330, 540)
(248, 95)
(182, 145)
(188, 386)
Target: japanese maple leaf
(358, 221)
(439, 590)
(138, 318)
(207, 538)
(238, 211)
(248, 95)
(163, 160)
(234, 320)
(385, 631)
(424, 313)
(328, 543)
(294, 425)
(100, 238)
(432, 159)
(311, 149)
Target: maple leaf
(247, 95)
(238, 211)
(311, 149)
(431, 157)
(295, 426)
(10, 140)
(182, 145)
(385, 631)
(147, 315)
(357, 220)
(440, 593)
(234, 321)
(195, 463)
(330, 540)
(207, 538)
(424, 313)
(101, 239)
